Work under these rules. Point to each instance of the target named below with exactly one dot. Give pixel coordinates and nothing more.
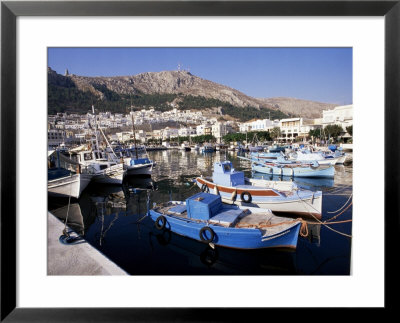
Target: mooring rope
(334, 217)
(325, 222)
(66, 218)
(351, 195)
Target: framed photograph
(52, 54)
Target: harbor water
(112, 218)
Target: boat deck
(267, 222)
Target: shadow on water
(113, 220)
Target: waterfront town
(153, 127)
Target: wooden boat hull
(303, 203)
(231, 237)
(72, 185)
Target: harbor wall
(75, 259)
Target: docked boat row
(87, 163)
(239, 212)
(297, 163)
(279, 196)
(250, 213)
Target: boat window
(227, 167)
(103, 167)
(87, 156)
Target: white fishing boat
(105, 167)
(62, 182)
(139, 166)
(279, 196)
(101, 167)
(320, 157)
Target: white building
(340, 115)
(170, 133)
(188, 131)
(218, 130)
(257, 125)
(204, 129)
(124, 136)
(55, 137)
(290, 128)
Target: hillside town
(152, 126)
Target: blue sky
(317, 74)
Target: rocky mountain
(299, 107)
(166, 89)
(172, 82)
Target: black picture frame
(10, 10)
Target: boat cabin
(203, 206)
(209, 207)
(225, 174)
(140, 161)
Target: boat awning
(50, 152)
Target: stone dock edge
(77, 259)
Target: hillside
(163, 91)
(303, 108)
(168, 89)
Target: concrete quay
(77, 259)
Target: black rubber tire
(212, 234)
(246, 200)
(163, 222)
(205, 189)
(164, 238)
(209, 256)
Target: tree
(333, 131)
(275, 132)
(314, 134)
(349, 130)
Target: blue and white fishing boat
(283, 166)
(307, 156)
(294, 169)
(134, 165)
(207, 148)
(276, 149)
(336, 153)
(260, 156)
(205, 218)
(279, 196)
(137, 165)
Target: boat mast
(95, 118)
(134, 132)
